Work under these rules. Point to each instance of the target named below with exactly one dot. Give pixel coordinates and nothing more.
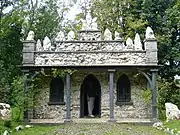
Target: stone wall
(90, 49)
(139, 109)
(85, 59)
(86, 53)
(90, 46)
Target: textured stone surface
(139, 109)
(172, 111)
(30, 36)
(90, 46)
(90, 35)
(5, 111)
(93, 58)
(28, 52)
(90, 49)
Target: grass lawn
(173, 124)
(84, 129)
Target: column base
(112, 120)
(26, 120)
(155, 120)
(68, 121)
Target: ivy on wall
(62, 72)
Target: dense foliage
(16, 19)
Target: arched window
(56, 91)
(123, 90)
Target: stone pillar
(154, 95)
(68, 99)
(151, 51)
(111, 95)
(28, 52)
(26, 119)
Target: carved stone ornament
(177, 80)
(129, 43)
(84, 24)
(137, 42)
(107, 35)
(47, 44)
(117, 36)
(149, 33)
(30, 35)
(40, 61)
(89, 23)
(71, 36)
(60, 36)
(38, 45)
(94, 24)
(88, 20)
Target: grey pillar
(154, 95)
(111, 95)
(68, 100)
(25, 97)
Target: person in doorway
(90, 98)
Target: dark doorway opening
(56, 91)
(83, 96)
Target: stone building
(120, 72)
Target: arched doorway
(83, 96)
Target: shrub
(17, 114)
(7, 123)
(168, 92)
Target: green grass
(173, 124)
(38, 130)
(83, 129)
(35, 130)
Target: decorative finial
(94, 24)
(30, 35)
(149, 33)
(117, 36)
(47, 44)
(107, 34)
(137, 42)
(129, 43)
(38, 45)
(84, 24)
(89, 23)
(71, 36)
(60, 36)
(88, 19)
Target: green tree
(171, 52)
(10, 56)
(158, 16)
(43, 18)
(25, 15)
(123, 16)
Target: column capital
(111, 70)
(25, 71)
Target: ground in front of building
(91, 129)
